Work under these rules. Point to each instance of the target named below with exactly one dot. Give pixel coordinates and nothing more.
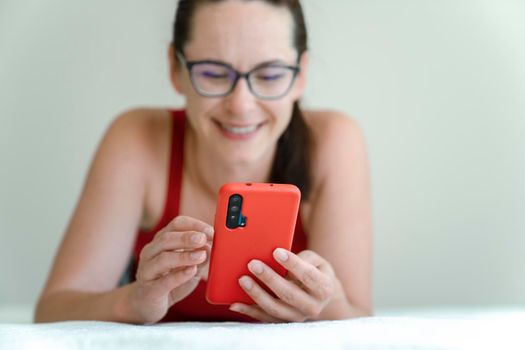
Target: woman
(241, 66)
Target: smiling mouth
(239, 130)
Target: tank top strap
(174, 182)
(176, 164)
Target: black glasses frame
(238, 75)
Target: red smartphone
(251, 221)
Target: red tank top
(194, 307)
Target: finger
(287, 291)
(316, 260)
(254, 312)
(207, 248)
(307, 270)
(269, 304)
(166, 261)
(187, 223)
(202, 269)
(165, 241)
(293, 279)
(176, 278)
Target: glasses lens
(272, 81)
(212, 79)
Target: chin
(242, 157)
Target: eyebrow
(259, 65)
(271, 62)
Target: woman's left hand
(303, 294)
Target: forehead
(241, 32)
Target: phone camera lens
(234, 212)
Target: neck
(209, 172)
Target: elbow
(38, 312)
(43, 309)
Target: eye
(213, 75)
(211, 72)
(271, 74)
(270, 77)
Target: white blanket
(480, 330)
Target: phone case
(267, 221)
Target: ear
(175, 70)
(300, 83)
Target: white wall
(437, 86)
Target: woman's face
(240, 128)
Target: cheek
(282, 113)
(181, 82)
(201, 110)
(197, 104)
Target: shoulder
(132, 142)
(330, 123)
(338, 142)
(138, 130)
(142, 122)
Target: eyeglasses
(268, 81)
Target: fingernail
(281, 254)
(198, 238)
(235, 308)
(208, 230)
(246, 282)
(255, 267)
(197, 255)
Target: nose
(240, 101)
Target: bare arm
(331, 279)
(98, 241)
(340, 224)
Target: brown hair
(292, 159)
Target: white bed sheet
(492, 329)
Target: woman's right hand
(167, 269)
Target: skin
(126, 186)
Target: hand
(170, 267)
(302, 295)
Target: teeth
(239, 130)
